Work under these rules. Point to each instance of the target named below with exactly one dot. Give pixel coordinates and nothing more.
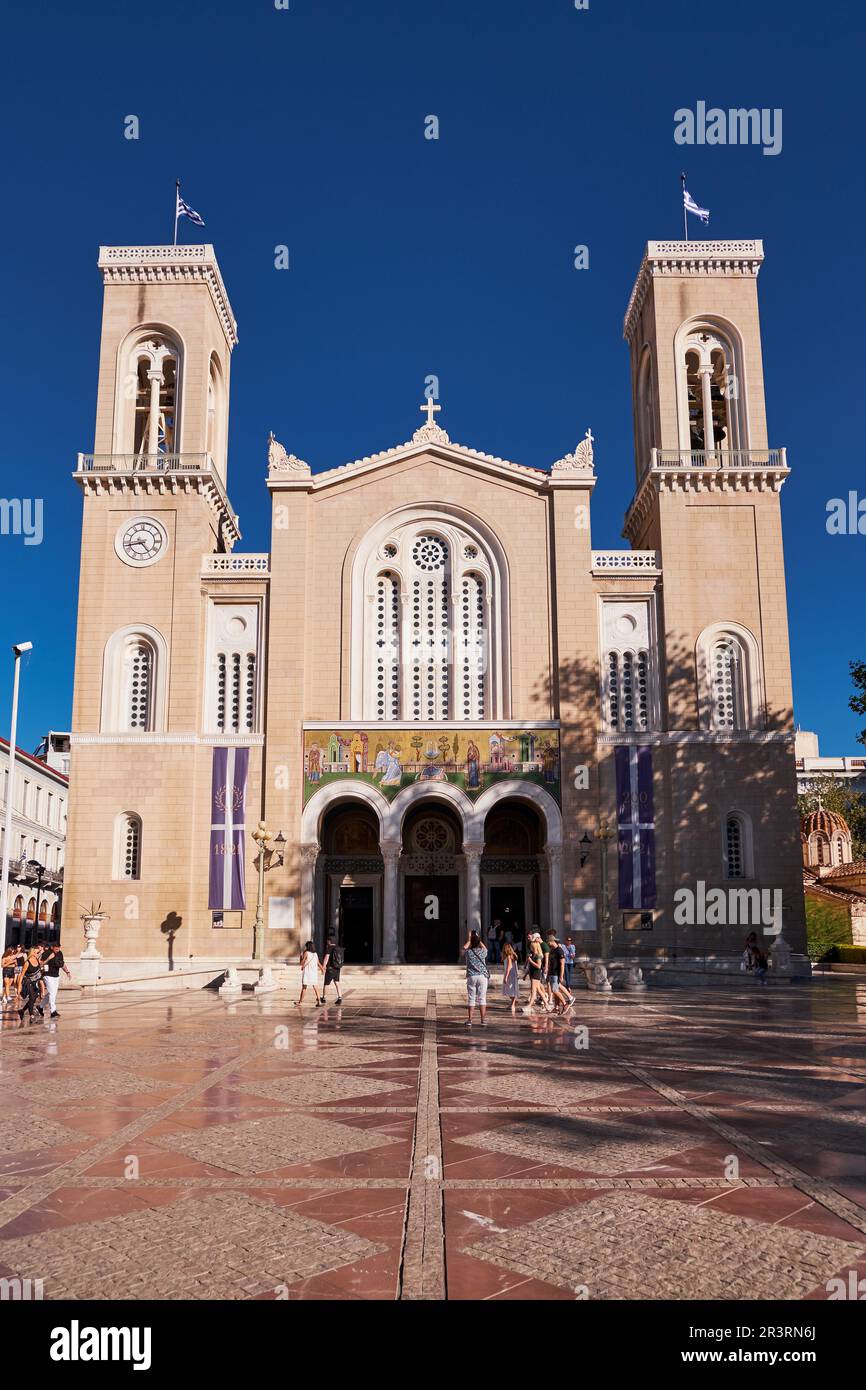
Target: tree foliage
(858, 701)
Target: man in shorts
(555, 961)
(332, 965)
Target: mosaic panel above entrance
(393, 758)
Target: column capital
(472, 851)
(554, 854)
(309, 854)
(391, 850)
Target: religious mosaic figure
(314, 771)
(473, 766)
(388, 767)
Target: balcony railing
(235, 564)
(625, 561)
(145, 463)
(718, 458)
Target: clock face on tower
(141, 541)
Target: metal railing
(145, 463)
(718, 458)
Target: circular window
(470, 552)
(429, 553)
(389, 550)
(432, 835)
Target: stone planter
(92, 923)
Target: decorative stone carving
(634, 980)
(580, 461)
(231, 986)
(780, 956)
(431, 434)
(598, 978)
(281, 462)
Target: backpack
(336, 961)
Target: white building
(811, 767)
(39, 811)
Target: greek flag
(184, 210)
(691, 206)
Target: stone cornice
(707, 480)
(690, 259)
(148, 484)
(180, 739)
(160, 265)
(458, 453)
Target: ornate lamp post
(39, 871)
(604, 834)
(263, 839)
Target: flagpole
(685, 214)
(176, 203)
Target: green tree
(837, 796)
(858, 701)
(826, 926)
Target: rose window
(429, 553)
(431, 835)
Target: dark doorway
(508, 903)
(431, 920)
(356, 924)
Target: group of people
(548, 966)
(31, 977)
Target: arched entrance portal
(351, 875)
(431, 868)
(514, 871)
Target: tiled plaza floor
(706, 1144)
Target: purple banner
(226, 877)
(636, 827)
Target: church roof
(823, 822)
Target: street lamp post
(604, 834)
(39, 870)
(17, 651)
(263, 837)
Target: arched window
(644, 411)
(822, 850)
(711, 403)
(18, 909)
(737, 849)
(429, 594)
(232, 697)
(726, 673)
(43, 913)
(150, 376)
(628, 681)
(127, 846)
(31, 912)
(215, 425)
(730, 685)
(134, 681)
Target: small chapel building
(435, 702)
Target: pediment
(430, 442)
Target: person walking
(29, 985)
(494, 942)
(570, 958)
(477, 976)
(563, 1001)
(10, 970)
(510, 976)
(332, 965)
(53, 963)
(535, 970)
(310, 971)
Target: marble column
(707, 403)
(472, 854)
(554, 885)
(155, 379)
(309, 855)
(391, 856)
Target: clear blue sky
(411, 257)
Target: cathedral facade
(432, 705)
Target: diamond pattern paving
(319, 1087)
(564, 1090)
(601, 1144)
(630, 1246)
(95, 1086)
(221, 1247)
(277, 1141)
(20, 1133)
